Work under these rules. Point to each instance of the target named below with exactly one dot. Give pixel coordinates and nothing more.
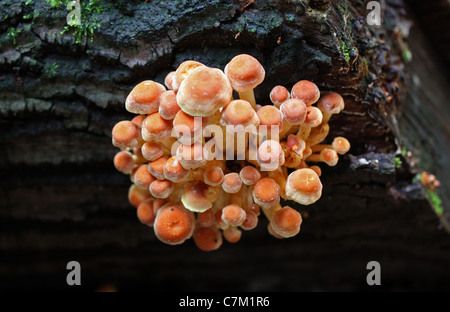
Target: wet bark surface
(62, 200)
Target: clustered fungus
(204, 164)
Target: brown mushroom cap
(156, 167)
(161, 188)
(244, 72)
(231, 183)
(168, 106)
(251, 220)
(208, 238)
(156, 128)
(270, 116)
(233, 215)
(145, 212)
(294, 111)
(266, 193)
(304, 186)
(306, 91)
(144, 98)
(331, 103)
(204, 92)
(196, 196)
(173, 224)
(341, 145)
(313, 117)
(152, 150)
(239, 112)
(143, 178)
(249, 175)
(213, 176)
(286, 222)
(174, 171)
(278, 95)
(123, 161)
(183, 70)
(329, 156)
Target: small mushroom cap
(196, 196)
(143, 178)
(278, 95)
(123, 161)
(125, 134)
(144, 98)
(206, 218)
(306, 91)
(174, 171)
(313, 117)
(155, 128)
(188, 128)
(239, 112)
(168, 106)
(341, 145)
(329, 156)
(182, 72)
(244, 72)
(168, 80)
(191, 156)
(251, 221)
(270, 155)
(286, 222)
(233, 215)
(331, 103)
(249, 175)
(213, 176)
(136, 195)
(295, 144)
(208, 238)
(304, 186)
(161, 188)
(270, 116)
(266, 193)
(204, 92)
(232, 234)
(145, 212)
(152, 150)
(294, 111)
(173, 224)
(156, 167)
(138, 120)
(231, 183)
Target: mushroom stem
(318, 134)
(304, 132)
(249, 96)
(319, 147)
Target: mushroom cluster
(203, 164)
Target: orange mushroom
(173, 224)
(303, 186)
(306, 91)
(144, 98)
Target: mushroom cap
(329, 156)
(249, 175)
(270, 155)
(169, 79)
(143, 178)
(125, 134)
(304, 186)
(206, 218)
(270, 116)
(188, 128)
(233, 215)
(174, 171)
(161, 188)
(251, 220)
(183, 70)
(244, 72)
(266, 193)
(232, 234)
(331, 103)
(156, 167)
(306, 91)
(295, 144)
(144, 98)
(314, 117)
(145, 212)
(341, 145)
(152, 150)
(294, 111)
(123, 161)
(239, 112)
(136, 195)
(278, 95)
(196, 196)
(191, 156)
(138, 120)
(204, 92)
(231, 183)
(168, 106)
(155, 128)
(286, 222)
(173, 224)
(213, 176)
(208, 238)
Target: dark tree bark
(63, 200)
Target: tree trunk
(63, 200)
